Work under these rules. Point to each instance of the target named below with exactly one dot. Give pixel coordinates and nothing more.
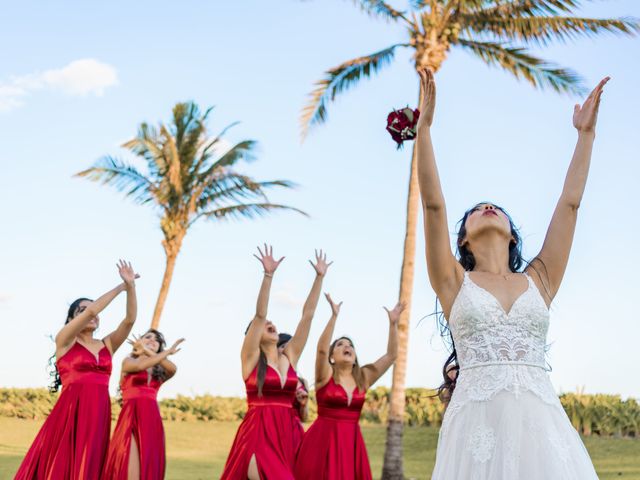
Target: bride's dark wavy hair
(451, 367)
(56, 383)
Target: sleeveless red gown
(333, 447)
(269, 430)
(139, 418)
(72, 443)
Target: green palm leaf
(523, 65)
(239, 192)
(247, 210)
(529, 7)
(339, 79)
(124, 177)
(380, 8)
(542, 30)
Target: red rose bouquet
(401, 124)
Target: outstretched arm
(67, 335)
(251, 346)
(120, 334)
(294, 348)
(445, 274)
(551, 263)
(147, 359)
(373, 371)
(323, 368)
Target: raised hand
(321, 266)
(138, 346)
(394, 314)
(428, 94)
(585, 116)
(335, 307)
(174, 348)
(269, 264)
(126, 272)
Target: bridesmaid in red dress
(137, 449)
(333, 447)
(265, 445)
(72, 443)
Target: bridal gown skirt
(510, 437)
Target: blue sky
(495, 139)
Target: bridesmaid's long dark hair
(53, 367)
(451, 367)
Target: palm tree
(491, 30)
(188, 177)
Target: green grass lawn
(197, 450)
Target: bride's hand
(585, 116)
(428, 94)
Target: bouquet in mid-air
(401, 124)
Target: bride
(504, 420)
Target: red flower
(401, 124)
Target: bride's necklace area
(505, 276)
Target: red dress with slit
(72, 443)
(333, 447)
(140, 419)
(270, 429)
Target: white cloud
(79, 78)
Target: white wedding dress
(505, 421)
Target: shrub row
(599, 414)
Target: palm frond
(124, 177)
(240, 151)
(542, 29)
(339, 79)
(247, 210)
(147, 144)
(172, 157)
(239, 192)
(517, 8)
(380, 8)
(520, 64)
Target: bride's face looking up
(486, 222)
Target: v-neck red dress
(269, 430)
(72, 443)
(140, 419)
(333, 447)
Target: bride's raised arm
(445, 273)
(550, 264)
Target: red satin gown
(269, 430)
(140, 419)
(72, 444)
(333, 447)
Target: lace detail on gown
(504, 420)
(498, 350)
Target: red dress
(268, 430)
(140, 419)
(72, 443)
(298, 431)
(333, 447)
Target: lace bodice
(499, 350)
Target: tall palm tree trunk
(392, 468)
(172, 255)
